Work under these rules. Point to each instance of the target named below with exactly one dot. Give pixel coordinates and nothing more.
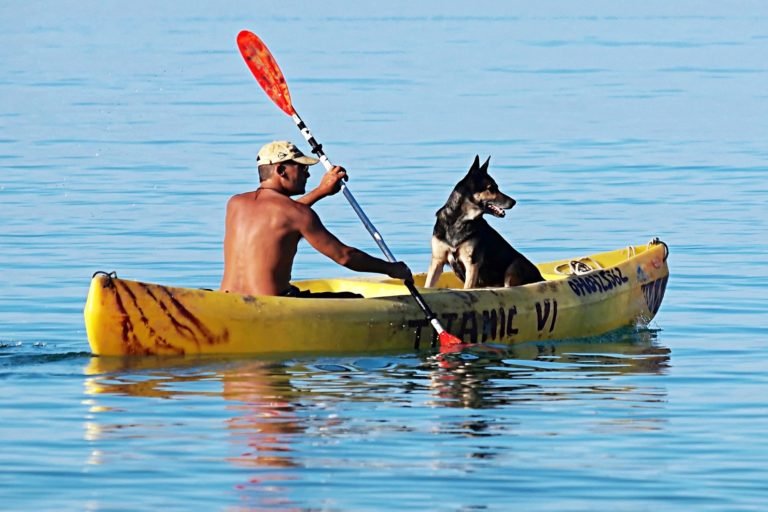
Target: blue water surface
(124, 128)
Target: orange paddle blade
(264, 67)
(448, 340)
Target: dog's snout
(507, 202)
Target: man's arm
(311, 197)
(329, 185)
(326, 243)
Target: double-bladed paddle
(264, 67)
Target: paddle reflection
(548, 372)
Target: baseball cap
(283, 151)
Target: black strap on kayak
(111, 275)
(657, 241)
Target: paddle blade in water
(264, 67)
(447, 339)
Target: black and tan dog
(462, 238)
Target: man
(263, 227)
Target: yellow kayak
(584, 296)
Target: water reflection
(284, 419)
(258, 414)
(548, 371)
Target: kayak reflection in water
(263, 228)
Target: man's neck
(278, 189)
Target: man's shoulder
(242, 196)
(238, 201)
(268, 199)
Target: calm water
(124, 129)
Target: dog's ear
(484, 167)
(475, 165)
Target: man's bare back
(263, 228)
(260, 242)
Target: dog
(478, 254)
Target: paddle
(264, 67)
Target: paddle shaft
(318, 150)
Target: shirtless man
(263, 227)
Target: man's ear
(281, 170)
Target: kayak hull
(616, 289)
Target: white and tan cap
(283, 151)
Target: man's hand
(330, 183)
(400, 270)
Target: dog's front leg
(440, 252)
(470, 281)
(434, 272)
(465, 256)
